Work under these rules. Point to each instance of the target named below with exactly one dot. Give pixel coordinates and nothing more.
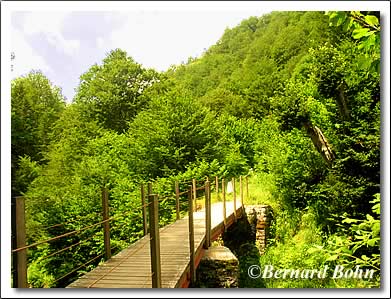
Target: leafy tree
(364, 27)
(111, 93)
(243, 70)
(171, 133)
(35, 106)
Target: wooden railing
(150, 200)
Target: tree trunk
(320, 142)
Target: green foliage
(240, 133)
(359, 245)
(300, 245)
(291, 161)
(365, 29)
(27, 171)
(296, 232)
(111, 93)
(249, 63)
(35, 105)
(172, 133)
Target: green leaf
(372, 20)
(332, 257)
(369, 217)
(360, 32)
(347, 250)
(341, 18)
(313, 250)
(347, 24)
(376, 228)
(350, 220)
(376, 208)
(372, 242)
(364, 62)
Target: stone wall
(259, 217)
(218, 268)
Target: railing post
(224, 203)
(191, 237)
(241, 192)
(177, 200)
(217, 187)
(14, 263)
(149, 192)
(195, 194)
(247, 187)
(154, 240)
(144, 210)
(234, 195)
(20, 235)
(207, 215)
(106, 224)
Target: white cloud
(51, 24)
(26, 58)
(100, 42)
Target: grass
(260, 191)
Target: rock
(218, 268)
(259, 217)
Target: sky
(65, 44)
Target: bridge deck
(131, 268)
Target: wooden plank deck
(131, 268)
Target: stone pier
(259, 217)
(219, 268)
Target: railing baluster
(14, 273)
(154, 240)
(234, 195)
(106, 225)
(217, 187)
(144, 210)
(247, 187)
(177, 200)
(207, 215)
(241, 193)
(191, 237)
(224, 203)
(195, 194)
(21, 256)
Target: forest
(291, 99)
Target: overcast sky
(65, 44)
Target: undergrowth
(296, 241)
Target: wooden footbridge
(165, 257)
